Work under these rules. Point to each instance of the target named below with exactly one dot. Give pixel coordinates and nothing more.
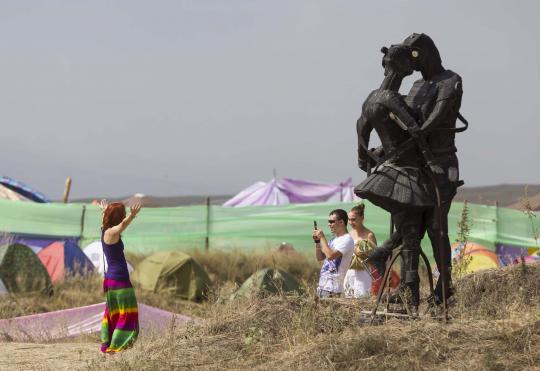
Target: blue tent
(23, 189)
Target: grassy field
(495, 325)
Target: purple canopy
(285, 191)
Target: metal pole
(383, 284)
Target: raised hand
(134, 210)
(103, 204)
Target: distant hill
(155, 201)
(505, 194)
(508, 195)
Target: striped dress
(120, 325)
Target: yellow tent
(478, 257)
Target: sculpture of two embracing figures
(415, 170)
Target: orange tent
(479, 257)
(62, 258)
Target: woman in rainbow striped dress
(120, 325)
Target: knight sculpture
(416, 168)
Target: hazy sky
(207, 97)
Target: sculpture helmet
(424, 52)
(398, 59)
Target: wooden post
(67, 188)
(207, 239)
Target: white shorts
(357, 283)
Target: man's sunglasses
(332, 221)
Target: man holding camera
(336, 253)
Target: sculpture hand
(414, 131)
(362, 164)
(378, 152)
(436, 169)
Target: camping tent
(267, 281)
(14, 190)
(478, 257)
(286, 190)
(21, 270)
(175, 272)
(62, 258)
(36, 243)
(94, 252)
(8, 194)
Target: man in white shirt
(336, 253)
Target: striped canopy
(12, 189)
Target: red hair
(113, 215)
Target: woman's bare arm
(112, 234)
(371, 238)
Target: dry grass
(73, 292)
(227, 271)
(300, 332)
(237, 266)
(495, 325)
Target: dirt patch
(53, 356)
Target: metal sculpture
(416, 161)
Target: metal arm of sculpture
(400, 115)
(440, 112)
(363, 130)
(421, 141)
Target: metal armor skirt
(396, 188)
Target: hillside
(505, 194)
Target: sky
(207, 97)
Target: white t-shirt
(333, 271)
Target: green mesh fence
(247, 228)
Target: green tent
(268, 281)
(172, 271)
(22, 271)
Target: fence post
(67, 188)
(82, 222)
(207, 239)
(496, 224)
